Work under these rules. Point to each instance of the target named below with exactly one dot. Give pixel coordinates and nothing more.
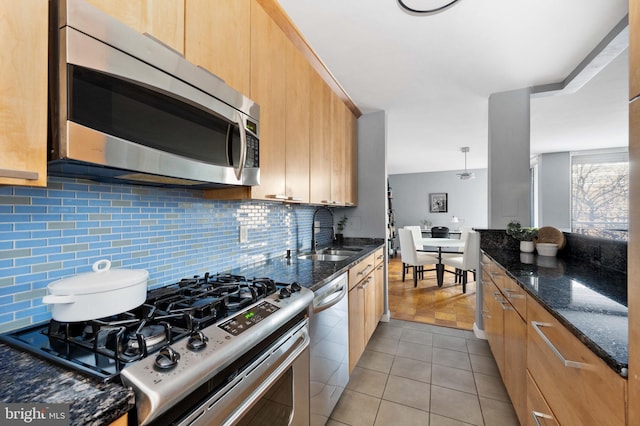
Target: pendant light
(466, 175)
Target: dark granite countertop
(30, 379)
(588, 300)
(308, 273)
(92, 402)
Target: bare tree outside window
(600, 199)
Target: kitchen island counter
(588, 300)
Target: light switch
(244, 233)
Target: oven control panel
(245, 320)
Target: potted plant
(341, 224)
(525, 235)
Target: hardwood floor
(427, 303)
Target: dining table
(443, 245)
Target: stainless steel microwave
(126, 108)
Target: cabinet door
(493, 320)
(338, 150)
(218, 38)
(538, 412)
(268, 44)
(320, 142)
(23, 84)
(163, 19)
(371, 309)
(351, 159)
(297, 125)
(379, 284)
(515, 361)
(356, 325)
(578, 386)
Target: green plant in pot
(341, 224)
(526, 235)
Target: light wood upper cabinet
(218, 38)
(319, 142)
(298, 103)
(268, 89)
(163, 19)
(351, 159)
(338, 150)
(23, 84)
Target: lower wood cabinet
(366, 294)
(539, 413)
(552, 378)
(122, 421)
(506, 332)
(579, 388)
(515, 360)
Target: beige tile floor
(424, 375)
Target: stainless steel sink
(321, 257)
(338, 252)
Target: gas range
(183, 337)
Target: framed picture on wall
(438, 202)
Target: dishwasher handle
(331, 299)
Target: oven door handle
(301, 343)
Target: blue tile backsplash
(55, 232)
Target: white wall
(467, 198)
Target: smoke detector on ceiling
(465, 175)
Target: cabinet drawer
(379, 256)
(515, 295)
(578, 386)
(538, 412)
(361, 270)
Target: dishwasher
(329, 348)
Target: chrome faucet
(314, 243)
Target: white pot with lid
(97, 294)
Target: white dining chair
(468, 260)
(464, 232)
(416, 232)
(413, 258)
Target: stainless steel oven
(213, 349)
(272, 390)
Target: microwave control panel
(253, 152)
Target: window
(600, 194)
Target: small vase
(526, 246)
(339, 239)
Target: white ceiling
(433, 74)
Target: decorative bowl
(547, 249)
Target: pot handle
(101, 265)
(53, 299)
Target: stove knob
(197, 341)
(284, 293)
(295, 286)
(167, 358)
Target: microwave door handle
(243, 147)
